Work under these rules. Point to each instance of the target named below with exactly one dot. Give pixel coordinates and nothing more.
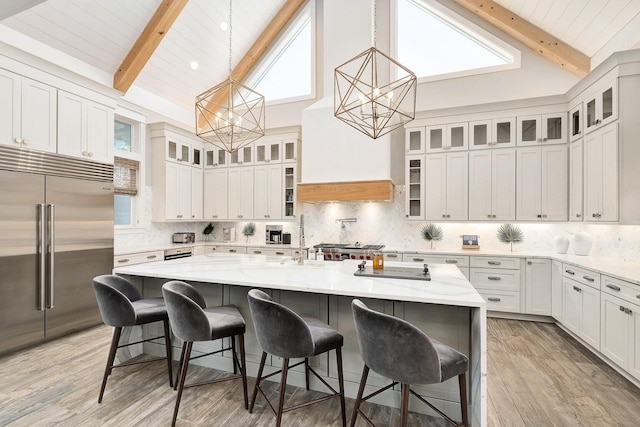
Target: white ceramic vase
(561, 243)
(582, 243)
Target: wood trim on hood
(346, 191)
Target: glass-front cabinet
(242, 157)
(290, 180)
(268, 151)
(601, 105)
(575, 122)
(215, 157)
(450, 137)
(414, 140)
(542, 129)
(290, 150)
(492, 133)
(414, 177)
(178, 151)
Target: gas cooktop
(341, 251)
(348, 246)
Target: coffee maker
(273, 234)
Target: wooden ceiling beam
(540, 41)
(253, 55)
(147, 42)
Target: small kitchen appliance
(184, 237)
(286, 238)
(229, 234)
(273, 234)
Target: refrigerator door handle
(42, 254)
(51, 250)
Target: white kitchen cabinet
(414, 140)
(601, 174)
(492, 185)
(177, 192)
(243, 156)
(268, 150)
(581, 303)
(215, 157)
(576, 119)
(542, 129)
(215, 194)
(178, 151)
(541, 183)
(449, 137)
(462, 262)
(498, 281)
(576, 179)
(291, 179)
(28, 110)
(137, 258)
(231, 250)
(290, 148)
(269, 251)
(240, 193)
(197, 193)
(414, 187)
(268, 192)
(537, 289)
(601, 103)
(492, 133)
(446, 186)
(85, 128)
(556, 290)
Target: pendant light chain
(374, 24)
(230, 31)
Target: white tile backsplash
(384, 223)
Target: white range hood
(333, 152)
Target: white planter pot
(561, 244)
(582, 243)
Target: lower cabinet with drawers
(498, 280)
(137, 258)
(461, 261)
(581, 303)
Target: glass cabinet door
(290, 148)
(457, 135)
(575, 122)
(215, 157)
(529, 130)
(503, 132)
(435, 138)
(414, 202)
(414, 140)
(554, 128)
(479, 134)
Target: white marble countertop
(447, 286)
(203, 243)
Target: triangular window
(433, 41)
(286, 70)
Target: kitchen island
(447, 308)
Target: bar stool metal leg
(404, 417)
(283, 387)
(244, 370)
(175, 384)
(258, 378)
(167, 345)
(341, 381)
(112, 355)
(183, 375)
(462, 381)
(363, 382)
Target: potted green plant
(207, 231)
(249, 230)
(431, 233)
(509, 233)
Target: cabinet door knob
(179, 216)
(578, 216)
(17, 140)
(577, 289)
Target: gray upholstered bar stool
(192, 321)
(283, 333)
(403, 353)
(121, 305)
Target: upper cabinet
(242, 157)
(215, 157)
(492, 133)
(576, 181)
(85, 128)
(542, 129)
(446, 186)
(450, 137)
(492, 183)
(601, 103)
(28, 113)
(576, 122)
(414, 139)
(601, 174)
(268, 150)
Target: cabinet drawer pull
(257, 252)
(626, 310)
(590, 279)
(179, 216)
(391, 255)
(123, 260)
(151, 256)
(418, 259)
(494, 278)
(279, 253)
(494, 299)
(638, 296)
(575, 288)
(233, 251)
(494, 262)
(571, 272)
(614, 287)
(451, 261)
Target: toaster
(184, 237)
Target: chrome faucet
(301, 252)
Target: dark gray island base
(447, 308)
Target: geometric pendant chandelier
(230, 115)
(373, 93)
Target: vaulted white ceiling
(101, 33)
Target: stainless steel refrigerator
(56, 234)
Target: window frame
(455, 20)
(258, 72)
(137, 153)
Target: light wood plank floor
(538, 376)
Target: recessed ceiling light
(194, 65)
(224, 26)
